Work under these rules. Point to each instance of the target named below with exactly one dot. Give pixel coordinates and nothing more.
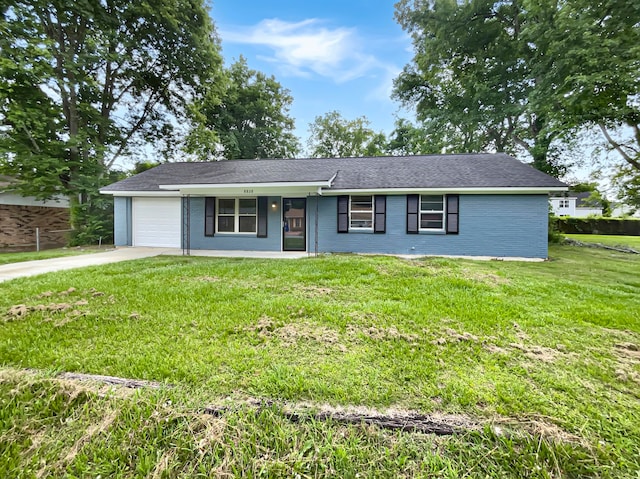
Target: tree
(250, 117)
(595, 199)
(332, 136)
(421, 139)
(475, 72)
(85, 83)
(593, 66)
(627, 182)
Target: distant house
(468, 205)
(575, 204)
(620, 209)
(20, 216)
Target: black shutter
(413, 208)
(209, 216)
(263, 211)
(453, 209)
(380, 223)
(343, 214)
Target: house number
(248, 191)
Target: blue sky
(331, 55)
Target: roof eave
(252, 189)
(140, 193)
(493, 190)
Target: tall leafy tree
(85, 83)
(474, 72)
(420, 139)
(248, 118)
(333, 136)
(591, 70)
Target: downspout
(186, 225)
(316, 227)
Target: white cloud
(385, 87)
(307, 47)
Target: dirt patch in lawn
(60, 313)
(289, 334)
(628, 351)
(380, 334)
(492, 348)
(313, 291)
(452, 336)
(484, 277)
(627, 357)
(540, 353)
(531, 351)
(536, 425)
(207, 279)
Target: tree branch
(150, 104)
(519, 141)
(636, 132)
(618, 147)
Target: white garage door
(156, 222)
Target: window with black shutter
(343, 214)
(413, 206)
(380, 223)
(453, 208)
(263, 211)
(209, 216)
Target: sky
(330, 54)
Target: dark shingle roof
(481, 170)
(581, 200)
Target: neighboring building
(574, 204)
(470, 205)
(20, 216)
(621, 210)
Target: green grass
(68, 431)
(545, 344)
(6, 258)
(611, 240)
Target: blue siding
(237, 241)
(122, 221)
(490, 225)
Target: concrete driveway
(32, 268)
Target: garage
(156, 222)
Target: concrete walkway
(32, 268)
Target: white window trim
(236, 217)
(443, 212)
(373, 205)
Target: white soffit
(252, 189)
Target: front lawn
(549, 348)
(6, 258)
(610, 240)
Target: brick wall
(18, 226)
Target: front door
(294, 224)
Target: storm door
(294, 224)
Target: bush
(554, 234)
(93, 221)
(596, 226)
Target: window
(564, 203)
(432, 212)
(236, 215)
(361, 213)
